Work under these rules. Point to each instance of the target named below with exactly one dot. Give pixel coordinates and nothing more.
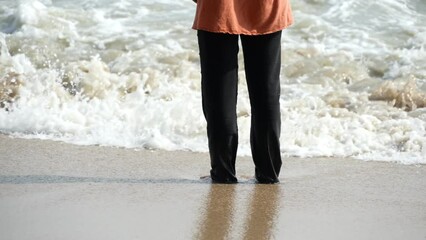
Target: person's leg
(219, 78)
(262, 60)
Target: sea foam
(127, 74)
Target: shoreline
(55, 190)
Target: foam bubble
(406, 96)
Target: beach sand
(54, 190)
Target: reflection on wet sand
(218, 212)
(263, 212)
(220, 207)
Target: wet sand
(53, 190)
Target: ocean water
(126, 73)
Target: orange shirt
(248, 17)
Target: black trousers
(219, 70)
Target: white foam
(127, 74)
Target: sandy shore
(53, 190)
